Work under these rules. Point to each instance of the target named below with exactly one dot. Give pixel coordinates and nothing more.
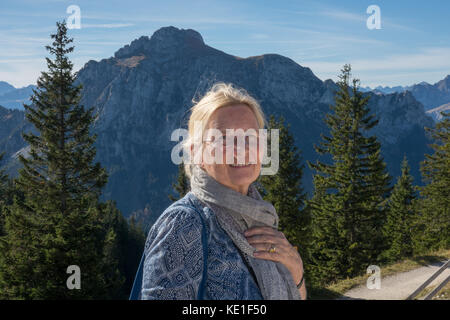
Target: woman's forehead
(233, 118)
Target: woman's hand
(265, 238)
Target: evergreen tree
(348, 204)
(124, 245)
(182, 185)
(143, 218)
(433, 225)
(59, 221)
(284, 189)
(400, 217)
(134, 248)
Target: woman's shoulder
(175, 253)
(187, 207)
(183, 215)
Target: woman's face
(235, 177)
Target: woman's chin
(240, 175)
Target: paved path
(399, 286)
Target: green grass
(337, 289)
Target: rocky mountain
(430, 95)
(436, 112)
(145, 91)
(13, 98)
(12, 123)
(5, 87)
(433, 96)
(385, 90)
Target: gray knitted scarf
(236, 213)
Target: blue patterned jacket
(189, 256)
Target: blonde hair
(220, 95)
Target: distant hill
(431, 96)
(13, 98)
(385, 90)
(5, 87)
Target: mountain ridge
(430, 95)
(144, 92)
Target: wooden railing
(426, 283)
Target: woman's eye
(247, 139)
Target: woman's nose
(241, 152)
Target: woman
(220, 241)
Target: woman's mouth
(237, 166)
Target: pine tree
(182, 186)
(348, 203)
(124, 245)
(59, 221)
(400, 217)
(284, 189)
(433, 225)
(134, 246)
(143, 218)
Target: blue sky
(413, 44)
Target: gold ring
(272, 249)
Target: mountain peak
(444, 84)
(164, 41)
(5, 87)
(172, 34)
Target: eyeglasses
(246, 144)
(248, 140)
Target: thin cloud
(427, 59)
(259, 36)
(426, 64)
(107, 25)
(362, 17)
(176, 20)
(343, 15)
